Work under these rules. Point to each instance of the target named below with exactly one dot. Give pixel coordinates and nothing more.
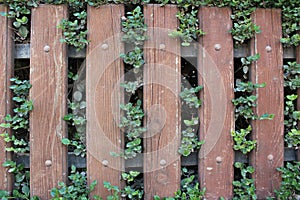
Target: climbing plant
(75, 34)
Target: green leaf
(23, 31)
(66, 141)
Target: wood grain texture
(104, 72)
(216, 74)
(48, 75)
(6, 72)
(161, 103)
(269, 153)
(298, 93)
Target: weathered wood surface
(104, 71)
(298, 100)
(216, 74)
(269, 153)
(48, 75)
(161, 103)
(6, 72)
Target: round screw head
(268, 48)
(104, 46)
(219, 159)
(270, 157)
(123, 195)
(105, 163)
(163, 162)
(48, 163)
(162, 46)
(47, 48)
(217, 47)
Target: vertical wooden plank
(298, 93)
(161, 103)
(48, 75)
(269, 153)
(216, 70)
(6, 69)
(104, 71)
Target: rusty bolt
(47, 48)
(48, 163)
(163, 162)
(268, 48)
(162, 46)
(270, 157)
(105, 163)
(219, 159)
(217, 47)
(104, 46)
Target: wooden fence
(48, 76)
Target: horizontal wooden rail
(22, 51)
(192, 160)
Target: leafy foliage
(290, 185)
(74, 31)
(189, 137)
(292, 115)
(189, 189)
(244, 188)
(188, 29)
(291, 75)
(76, 189)
(19, 11)
(131, 123)
(134, 27)
(189, 96)
(133, 190)
(242, 143)
(77, 126)
(19, 123)
(21, 183)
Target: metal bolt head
(270, 157)
(268, 48)
(47, 48)
(48, 163)
(219, 159)
(162, 46)
(123, 195)
(104, 46)
(217, 47)
(105, 163)
(163, 162)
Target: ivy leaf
(66, 141)
(23, 31)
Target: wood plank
(298, 93)
(48, 75)
(104, 71)
(216, 70)
(161, 103)
(6, 69)
(269, 153)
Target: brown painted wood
(48, 76)
(6, 72)
(269, 153)
(298, 100)
(104, 72)
(216, 74)
(161, 103)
